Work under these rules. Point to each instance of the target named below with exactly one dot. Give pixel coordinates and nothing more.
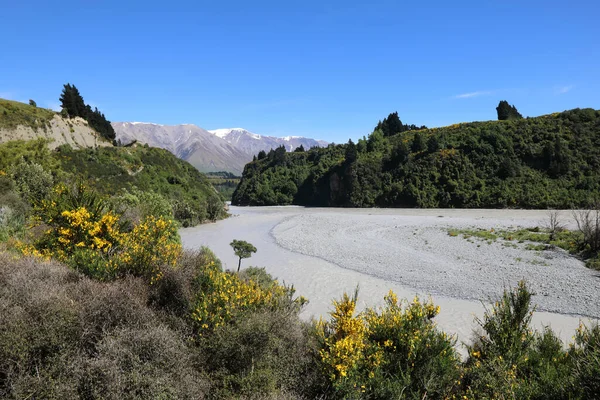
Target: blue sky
(324, 69)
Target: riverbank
(324, 252)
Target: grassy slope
(14, 113)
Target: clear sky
(323, 69)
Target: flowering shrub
(80, 229)
(387, 352)
(150, 246)
(223, 295)
(509, 360)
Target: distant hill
(20, 121)
(209, 151)
(552, 161)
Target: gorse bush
(586, 360)
(141, 179)
(509, 360)
(81, 229)
(223, 295)
(388, 353)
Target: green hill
(552, 161)
(123, 171)
(20, 121)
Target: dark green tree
(262, 154)
(506, 111)
(433, 144)
(242, 249)
(72, 101)
(32, 103)
(299, 149)
(419, 144)
(351, 152)
(392, 125)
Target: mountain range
(208, 151)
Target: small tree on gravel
(588, 223)
(554, 223)
(242, 249)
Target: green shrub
(65, 336)
(32, 181)
(260, 353)
(586, 359)
(509, 360)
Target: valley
(326, 252)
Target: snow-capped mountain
(216, 150)
(197, 146)
(251, 143)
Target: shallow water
(322, 281)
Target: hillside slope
(117, 171)
(548, 161)
(19, 121)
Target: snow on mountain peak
(222, 133)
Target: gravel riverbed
(325, 252)
(417, 251)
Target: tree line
(550, 161)
(73, 106)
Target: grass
(536, 239)
(13, 114)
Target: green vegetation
(13, 114)
(539, 239)
(201, 332)
(97, 303)
(224, 182)
(136, 178)
(242, 249)
(545, 162)
(506, 111)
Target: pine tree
(72, 101)
(394, 125)
(506, 111)
(351, 152)
(419, 144)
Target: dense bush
(64, 335)
(79, 227)
(139, 178)
(32, 182)
(545, 162)
(388, 353)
